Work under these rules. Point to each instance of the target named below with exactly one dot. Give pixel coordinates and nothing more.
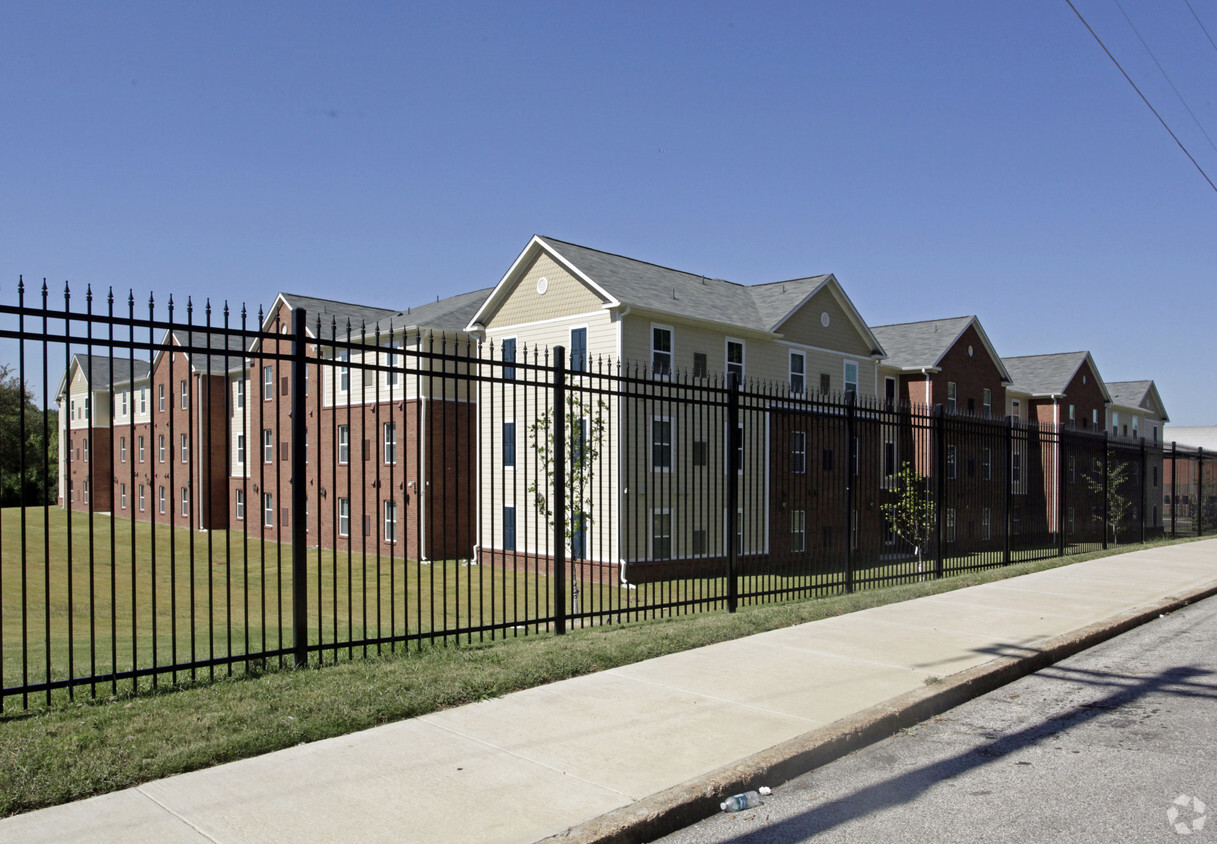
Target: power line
(1142, 96)
(1165, 76)
(1202, 26)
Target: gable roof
(213, 364)
(1140, 395)
(333, 316)
(447, 315)
(628, 282)
(97, 371)
(922, 345)
(1049, 375)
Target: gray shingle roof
(334, 316)
(448, 315)
(1044, 374)
(1129, 393)
(97, 370)
(214, 364)
(917, 345)
(760, 307)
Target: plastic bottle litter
(747, 800)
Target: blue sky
(940, 158)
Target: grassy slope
(70, 752)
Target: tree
(585, 431)
(912, 514)
(29, 486)
(1119, 505)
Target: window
(661, 535)
(123, 397)
(661, 444)
(952, 392)
(509, 445)
(1016, 468)
(160, 397)
(241, 449)
(951, 462)
(185, 502)
(701, 453)
(986, 524)
(1072, 413)
(122, 449)
(509, 528)
(141, 448)
(185, 394)
(798, 452)
(143, 399)
(798, 370)
(344, 372)
(241, 392)
(889, 463)
(509, 357)
(344, 444)
(390, 430)
(160, 499)
(122, 495)
(141, 498)
(661, 351)
(344, 517)
(700, 365)
(987, 402)
(739, 451)
(735, 360)
(798, 531)
(268, 445)
(950, 524)
(160, 447)
(578, 349)
(1016, 409)
(1094, 418)
(268, 382)
(241, 504)
(268, 510)
(185, 449)
(851, 378)
(889, 392)
(1154, 428)
(393, 376)
(390, 521)
(825, 382)
(85, 443)
(986, 464)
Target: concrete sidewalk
(632, 753)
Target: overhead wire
(1203, 28)
(1165, 75)
(1148, 104)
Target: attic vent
(824, 319)
(542, 285)
(675, 295)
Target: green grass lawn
(74, 750)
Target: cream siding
(564, 296)
(805, 327)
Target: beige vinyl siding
(564, 296)
(805, 327)
(422, 375)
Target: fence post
(1141, 490)
(940, 484)
(1106, 489)
(1200, 492)
(299, 458)
(1060, 491)
(559, 508)
(733, 467)
(1174, 496)
(1008, 473)
(851, 458)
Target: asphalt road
(1098, 748)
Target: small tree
(585, 432)
(1119, 505)
(912, 514)
(33, 487)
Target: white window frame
(141, 448)
(268, 445)
(160, 447)
(344, 517)
(393, 376)
(952, 396)
(122, 450)
(268, 509)
(652, 535)
(730, 366)
(798, 452)
(160, 398)
(141, 498)
(670, 447)
(845, 376)
(798, 380)
(185, 503)
(240, 449)
(390, 521)
(986, 523)
(665, 372)
(268, 381)
(185, 449)
(143, 399)
(987, 401)
(160, 499)
(585, 364)
(185, 393)
(344, 445)
(390, 442)
(344, 372)
(240, 508)
(241, 392)
(798, 530)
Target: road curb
(685, 804)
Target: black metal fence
(232, 490)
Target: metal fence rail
(224, 491)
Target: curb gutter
(692, 801)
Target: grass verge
(56, 755)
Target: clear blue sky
(941, 158)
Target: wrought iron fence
(229, 490)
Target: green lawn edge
(82, 749)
